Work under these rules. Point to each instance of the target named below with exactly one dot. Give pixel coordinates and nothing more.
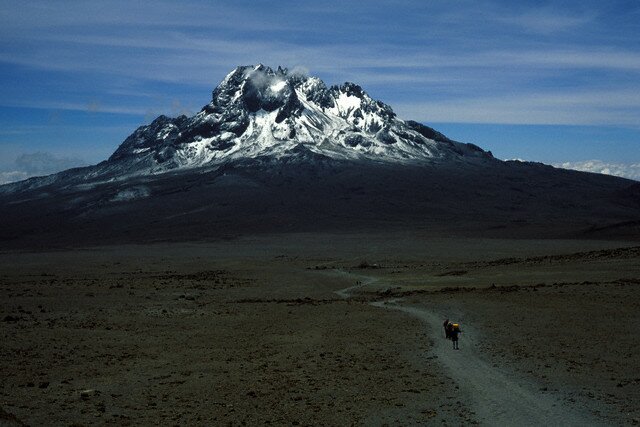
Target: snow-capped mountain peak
(260, 112)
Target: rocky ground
(252, 330)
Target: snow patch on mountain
(132, 193)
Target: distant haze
(37, 164)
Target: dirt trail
(364, 281)
(497, 397)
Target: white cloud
(625, 170)
(44, 163)
(497, 80)
(557, 108)
(12, 176)
(545, 22)
(480, 56)
(540, 19)
(588, 57)
(39, 163)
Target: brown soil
(252, 330)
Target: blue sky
(557, 82)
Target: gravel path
(498, 397)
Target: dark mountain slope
(278, 152)
(247, 197)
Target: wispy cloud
(42, 14)
(625, 170)
(582, 108)
(37, 164)
(42, 162)
(12, 176)
(476, 61)
(150, 109)
(545, 20)
(90, 106)
(598, 57)
(481, 87)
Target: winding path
(498, 397)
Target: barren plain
(328, 329)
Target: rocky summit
(258, 112)
(280, 151)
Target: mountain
(256, 112)
(280, 151)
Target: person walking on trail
(454, 333)
(446, 328)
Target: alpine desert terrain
(317, 328)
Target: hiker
(455, 331)
(446, 328)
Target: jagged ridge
(256, 111)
